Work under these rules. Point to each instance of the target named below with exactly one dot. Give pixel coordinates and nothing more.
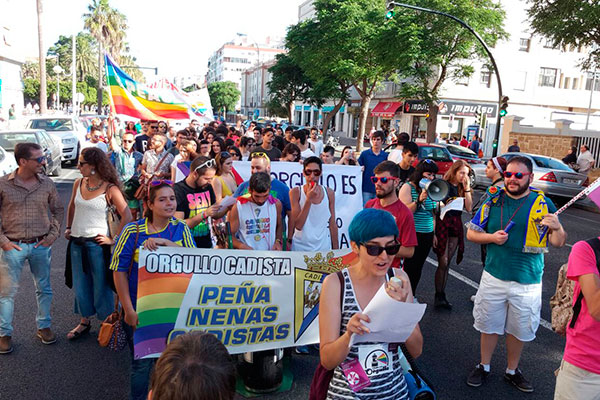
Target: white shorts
(507, 307)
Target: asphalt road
(82, 369)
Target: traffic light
(389, 6)
(504, 106)
(478, 118)
(495, 144)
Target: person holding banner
(196, 201)
(157, 228)
(313, 212)
(186, 153)
(256, 221)
(373, 235)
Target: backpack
(562, 304)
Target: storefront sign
(415, 107)
(466, 109)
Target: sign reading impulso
(459, 108)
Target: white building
(255, 92)
(233, 58)
(542, 83)
(11, 59)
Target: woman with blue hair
(373, 235)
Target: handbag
(322, 377)
(113, 218)
(142, 191)
(112, 332)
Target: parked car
(462, 153)
(7, 162)
(437, 153)
(51, 146)
(70, 130)
(549, 174)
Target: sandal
(75, 333)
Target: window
(523, 44)
(548, 43)
(550, 163)
(590, 79)
(548, 77)
(485, 77)
(567, 83)
(575, 84)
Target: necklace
(92, 188)
(158, 232)
(515, 213)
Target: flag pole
(584, 192)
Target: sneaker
(46, 336)
(477, 377)
(302, 350)
(6, 345)
(519, 381)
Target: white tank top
(258, 224)
(315, 233)
(90, 216)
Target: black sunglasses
(518, 175)
(374, 250)
(38, 159)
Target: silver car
(70, 130)
(550, 175)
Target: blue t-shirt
(369, 160)
(508, 262)
(176, 231)
(279, 190)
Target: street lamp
(57, 70)
(390, 7)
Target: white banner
(344, 180)
(251, 300)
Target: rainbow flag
(160, 296)
(137, 100)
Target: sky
(177, 36)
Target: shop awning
(386, 109)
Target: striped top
(424, 214)
(385, 385)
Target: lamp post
(57, 70)
(392, 4)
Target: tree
(42, 61)
(364, 50)
(223, 95)
(569, 23)
(275, 108)
(107, 26)
(85, 55)
(319, 65)
(446, 49)
(288, 83)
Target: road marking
(568, 245)
(475, 285)
(576, 216)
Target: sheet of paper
(226, 202)
(456, 205)
(392, 321)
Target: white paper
(455, 205)
(226, 202)
(392, 321)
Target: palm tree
(85, 59)
(107, 26)
(43, 93)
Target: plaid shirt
(24, 212)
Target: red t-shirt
(464, 143)
(583, 341)
(404, 219)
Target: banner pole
(584, 192)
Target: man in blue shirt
(369, 159)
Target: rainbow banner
(251, 300)
(128, 97)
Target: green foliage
(288, 82)
(277, 109)
(31, 90)
(569, 23)
(86, 55)
(223, 95)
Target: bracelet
(68, 228)
(468, 191)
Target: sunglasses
(38, 159)
(374, 250)
(81, 163)
(429, 161)
(225, 154)
(208, 164)
(260, 154)
(128, 141)
(518, 175)
(161, 182)
(315, 172)
(384, 179)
